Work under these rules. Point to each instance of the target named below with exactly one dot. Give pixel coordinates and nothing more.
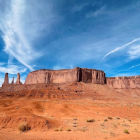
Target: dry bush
(68, 129)
(110, 118)
(56, 129)
(105, 120)
(90, 120)
(24, 126)
(61, 129)
(126, 131)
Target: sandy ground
(112, 111)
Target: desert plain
(69, 111)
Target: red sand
(74, 104)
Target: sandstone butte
(45, 76)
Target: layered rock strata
(124, 82)
(65, 76)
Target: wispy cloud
(98, 12)
(134, 52)
(118, 72)
(120, 48)
(22, 26)
(134, 66)
(79, 7)
(12, 69)
(2, 63)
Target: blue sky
(63, 34)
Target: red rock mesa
(45, 76)
(64, 76)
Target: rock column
(18, 79)
(6, 80)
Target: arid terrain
(72, 111)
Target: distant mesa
(45, 76)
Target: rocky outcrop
(18, 79)
(12, 81)
(65, 76)
(124, 82)
(6, 80)
(98, 77)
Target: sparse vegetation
(68, 129)
(126, 131)
(90, 120)
(61, 129)
(105, 120)
(24, 126)
(75, 119)
(110, 118)
(56, 129)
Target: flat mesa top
(65, 69)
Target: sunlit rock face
(65, 76)
(124, 82)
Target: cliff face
(64, 76)
(124, 82)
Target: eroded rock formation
(12, 81)
(65, 76)
(124, 82)
(18, 79)
(6, 80)
(77, 74)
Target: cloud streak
(120, 48)
(134, 52)
(12, 69)
(21, 27)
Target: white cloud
(120, 48)
(22, 23)
(2, 63)
(134, 52)
(134, 66)
(12, 69)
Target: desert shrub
(56, 129)
(117, 118)
(110, 118)
(61, 129)
(24, 126)
(90, 120)
(74, 119)
(68, 129)
(126, 131)
(105, 120)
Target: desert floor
(111, 115)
